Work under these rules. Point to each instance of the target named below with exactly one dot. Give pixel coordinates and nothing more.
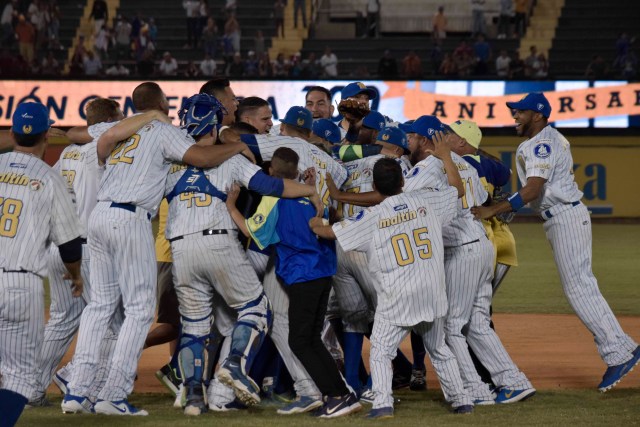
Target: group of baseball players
(279, 247)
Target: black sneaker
(339, 406)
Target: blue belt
(548, 215)
(127, 207)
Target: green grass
(534, 286)
(577, 407)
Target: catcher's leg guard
(254, 320)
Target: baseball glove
(504, 217)
(353, 109)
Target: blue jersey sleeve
(266, 185)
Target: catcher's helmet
(200, 113)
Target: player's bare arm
(368, 198)
(73, 274)
(321, 229)
(442, 151)
(232, 197)
(531, 191)
(124, 129)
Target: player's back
(137, 168)
(36, 208)
(194, 211)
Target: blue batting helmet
(200, 113)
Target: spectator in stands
(230, 7)
(210, 38)
(76, 66)
(478, 25)
(464, 59)
(300, 6)
(203, 16)
(517, 67)
(39, 17)
(436, 55)
(278, 16)
(503, 64)
(439, 24)
(482, 51)
(597, 68)
(543, 68)
(373, 18)
(329, 63)
(412, 65)
(531, 62)
(168, 65)
(520, 19)
(236, 68)
(136, 26)
(54, 25)
(295, 66)
(9, 14)
(92, 64)
(146, 63)
(387, 66)
(264, 66)
(191, 71)
(259, 44)
(623, 47)
(232, 32)
(208, 66)
(26, 36)
(117, 70)
(99, 14)
(309, 68)
(251, 65)
(142, 43)
(280, 66)
(506, 12)
(50, 66)
(101, 42)
(123, 37)
(448, 67)
(153, 30)
(191, 8)
(630, 67)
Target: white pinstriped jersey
(275, 131)
(36, 208)
(548, 155)
(137, 169)
(194, 212)
(402, 237)
(360, 179)
(430, 173)
(309, 156)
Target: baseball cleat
(418, 381)
(245, 389)
(339, 406)
(464, 409)
(380, 413)
(118, 407)
(367, 396)
(180, 398)
(76, 405)
(234, 405)
(196, 403)
(507, 395)
(614, 374)
(300, 405)
(484, 402)
(169, 378)
(61, 383)
(38, 402)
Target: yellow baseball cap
(468, 130)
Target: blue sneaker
(300, 405)
(118, 407)
(463, 409)
(507, 395)
(234, 405)
(614, 374)
(61, 383)
(243, 386)
(380, 413)
(76, 405)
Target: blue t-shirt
(301, 255)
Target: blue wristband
(516, 202)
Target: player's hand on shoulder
(316, 222)
(229, 136)
(232, 194)
(334, 191)
(317, 203)
(442, 147)
(309, 176)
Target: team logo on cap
(361, 85)
(300, 121)
(431, 131)
(327, 134)
(27, 129)
(385, 137)
(540, 106)
(542, 150)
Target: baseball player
(203, 263)
(325, 135)
(256, 112)
(357, 91)
(468, 262)
(35, 208)
(545, 170)
(122, 248)
(403, 240)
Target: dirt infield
(554, 351)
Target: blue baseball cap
(326, 129)
(395, 136)
(427, 126)
(298, 116)
(535, 101)
(356, 88)
(406, 126)
(374, 120)
(31, 118)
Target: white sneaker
(180, 398)
(118, 407)
(76, 405)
